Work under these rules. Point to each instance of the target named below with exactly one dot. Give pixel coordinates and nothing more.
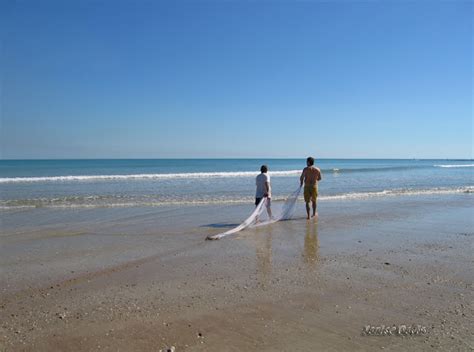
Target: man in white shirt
(264, 189)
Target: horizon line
(234, 158)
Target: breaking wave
(89, 178)
(205, 175)
(455, 166)
(399, 192)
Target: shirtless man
(310, 176)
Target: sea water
(27, 184)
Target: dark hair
(264, 168)
(310, 160)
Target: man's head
(310, 161)
(264, 169)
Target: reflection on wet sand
(263, 253)
(311, 244)
(262, 240)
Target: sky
(236, 79)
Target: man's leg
(269, 211)
(314, 195)
(257, 201)
(314, 209)
(269, 208)
(307, 210)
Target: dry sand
(292, 286)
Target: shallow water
(38, 244)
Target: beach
(155, 158)
(144, 278)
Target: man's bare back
(311, 175)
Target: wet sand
(145, 279)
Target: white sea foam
(130, 204)
(193, 175)
(461, 165)
(399, 192)
(89, 178)
(119, 201)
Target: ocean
(27, 184)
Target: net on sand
(261, 215)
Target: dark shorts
(269, 201)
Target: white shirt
(260, 182)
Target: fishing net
(261, 215)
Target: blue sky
(151, 79)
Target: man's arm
(320, 176)
(267, 189)
(302, 177)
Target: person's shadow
(220, 226)
(264, 256)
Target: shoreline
(294, 285)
